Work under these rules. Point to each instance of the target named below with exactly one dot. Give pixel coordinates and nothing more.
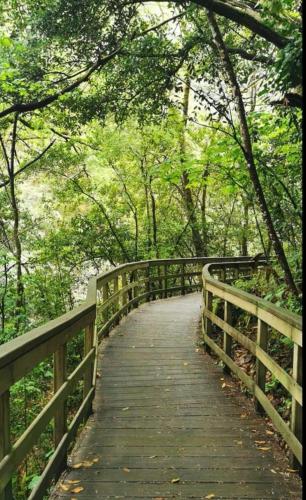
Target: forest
(134, 130)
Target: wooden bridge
(167, 422)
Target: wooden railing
(220, 332)
(109, 297)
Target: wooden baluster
(207, 321)
(262, 341)
(135, 289)
(124, 294)
(165, 280)
(105, 296)
(183, 280)
(227, 339)
(60, 376)
(5, 440)
(148, 284)
(116, 302)
(296, 409)
(88, 345)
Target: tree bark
(248, 152)
(187, 194)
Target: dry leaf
(264, 448)
(74, 481)
(153, 456)
(78, 489)
(270, 433)
(274, 471)
(95, 460)
(185, 364)
(243, 415)
(175, 480)
(211, 495)
(126, 408)
(64, 487)
(77, 466)
(260, 442)
(126, 469)
(223, 385)
(291, 470)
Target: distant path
(161, 415)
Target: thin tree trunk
(203, 213)
(245, 227)
(248, 153)
(154, 219)
(187, 194)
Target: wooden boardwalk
(163, 426)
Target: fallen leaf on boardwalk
(223, 385)
(125, 469)
(264, 448)
(126, 408)
(74, 481)
(260, 442)
(238, 442)
(98, 375)
(211, 495)
(292, 470)
(153, 456)
(95, 460)
(274, 471)
(77, 466)
(175, 480)
(185, 364)
(270, 433)
(243, 415)
(221, 378)
(197, 350)
(78, 489)
(64, 487)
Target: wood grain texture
(160, 413)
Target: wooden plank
(60, 377)
(5, 441)
(227, 339)
(296, 409)
(262, 342)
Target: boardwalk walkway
(163, 427)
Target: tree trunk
(245, 227)
(248, 153)
(187, 194)
(203, 213)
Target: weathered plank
(160, 413)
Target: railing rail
(269, 318)
(110, 296)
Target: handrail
(269, 317)
(110, 296)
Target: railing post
(227, 339)
(183, 280)
(60, 376)
(105, 296)
(262, 341)
(135, 289)
(124, 294)
(207, 322)
(116, 303)
(148, 284)
(88, 345)
(296, 409)
(165, 280)
(5, 441)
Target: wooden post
(88, 345)
(183, 280)
(207, 321)
(227, 339)
(124, 294)
(296, 409)
(60, 418)
(135, 289)
(148, 284)
(116, 303)
(262, 341)
(5, 440)
(165, 280)
(105, 296)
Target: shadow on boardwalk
(163, 427)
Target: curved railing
(269, 320)
(110, 296)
